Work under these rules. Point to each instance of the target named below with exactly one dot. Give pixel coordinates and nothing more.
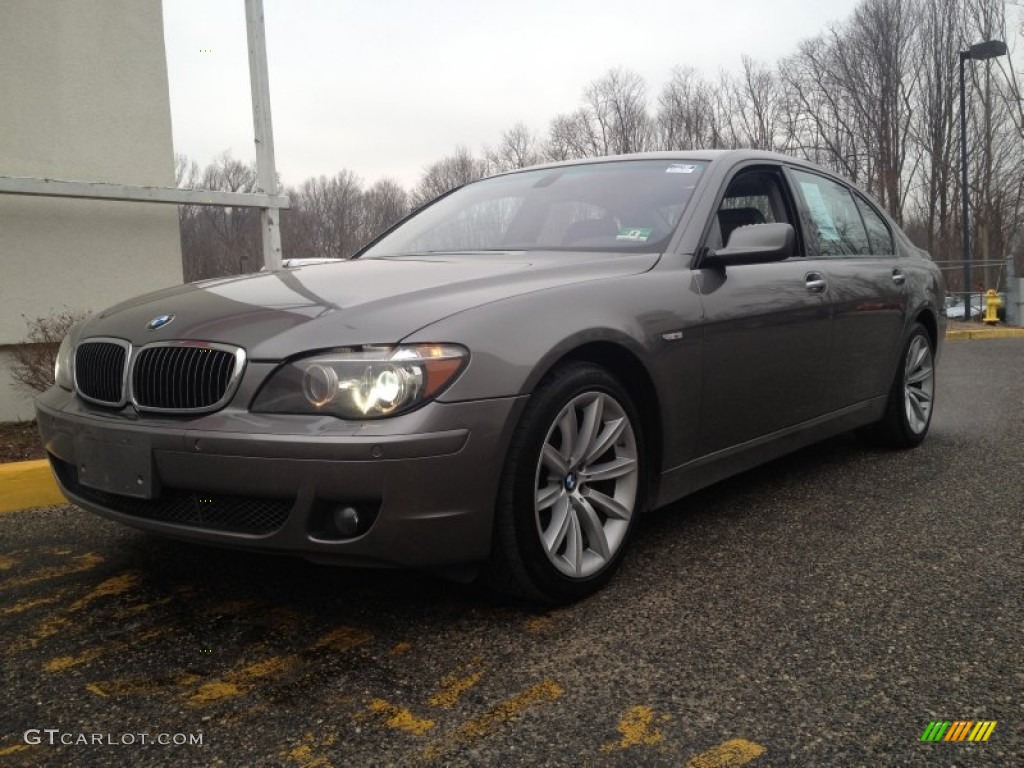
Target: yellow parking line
(537, 624)
(342, 638)
(55, 623)
(62, 663)
(637, 728)
(138, 686)
(66, 662)
(79, 564)
(400, 718)
(115, 585)
(242, 680)
(732, 754)
(139, 608)
(454, 686)
(33, 602)
(28, 484)
(542, 692)
(304, 754)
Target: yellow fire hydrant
(992, 305)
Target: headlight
(62, 366)
(368, 382)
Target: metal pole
(266, 171)
(964, 55)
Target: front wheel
(571, 488)
(908, 414)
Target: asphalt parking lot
(819, 611)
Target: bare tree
(997, 164)
(236, 229)
(873, 97)
(850, 99)
(940, 29)
(447, 174)
(519, 148)
(613, 120)
(757, 103)
(616, 105)
(818, 123)
(332, 209)
(298, 228)
(218, 240)
(385, 203)
(570, 137)
(686, 112)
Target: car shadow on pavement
(344, 592)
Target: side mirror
(757, 244)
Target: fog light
(342, 519)
(346, 521)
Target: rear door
(867, 286)
(766, 326)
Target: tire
(908, 414)
(572, 487)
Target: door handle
(816, 282)
(898, 277)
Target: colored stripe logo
(958, 730)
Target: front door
(766, 326)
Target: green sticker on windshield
(634, 234)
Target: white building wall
(83, 96)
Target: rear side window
(878, 232)
(832, 223)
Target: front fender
(654, 316)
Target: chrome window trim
(229, 392)
(128, 356)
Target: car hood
(273, 315)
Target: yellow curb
(987, 333)
(28, 484)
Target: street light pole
(979, 52)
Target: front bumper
(269, 482)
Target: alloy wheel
(586, 484)
(919, 384)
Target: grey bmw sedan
(502, 384)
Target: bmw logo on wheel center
(159, 322)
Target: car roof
(706, 155)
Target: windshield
(622, 206)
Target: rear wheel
(908, 414)
(571, 488)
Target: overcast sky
(384, 87)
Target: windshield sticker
(680, 168)
(634, 234)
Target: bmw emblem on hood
(159, 322)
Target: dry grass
(19, 441)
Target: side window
(878, 232)
(832, 223)
(752, 197)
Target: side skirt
(714, 467)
